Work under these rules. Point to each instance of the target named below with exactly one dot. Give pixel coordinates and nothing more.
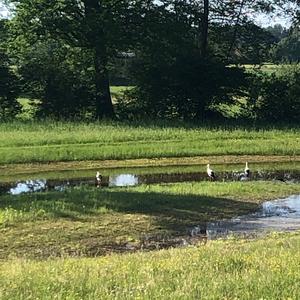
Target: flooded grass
(89, 221)
(67, 171)
(262, 269)
(50, 142)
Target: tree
(101, 27)
(288, 49)
(9, 106)
(60, 77)
(275, 97)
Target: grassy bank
(91, 221)
(52, 142)
(263, 269)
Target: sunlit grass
(89, 221)
(62, 141)
(263, 269)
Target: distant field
(267, 67)
(117, 90)
(62, 141)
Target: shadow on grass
(170, 212)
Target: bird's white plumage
(210, 172)
(247, 170)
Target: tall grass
(44, 142)
(263, 269)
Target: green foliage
(288, 49)
(9, 89)
(180, 87)
(61, 77)
(275, 97)
(9, 84)
(241, 44)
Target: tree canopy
(180, 53)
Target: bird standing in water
(247, 170)
(210, 173)
(98, 179)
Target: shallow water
(119, 180)
(273, 216)
(277, 215)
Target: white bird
(210, 173)
(247, 170)
(98, 179)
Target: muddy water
(277, 215)
(119, 180)
(273, 216)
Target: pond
(273, 216)
(119, 180)
(277, 215)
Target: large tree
(102, 27)
(9, 87)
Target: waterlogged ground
(90, 221)
(58, 180)
(276, 215)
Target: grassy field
(89, 221)
(49, 141)
(263, 269)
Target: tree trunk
(97, 42)
(204, 29)
(104, 107)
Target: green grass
(263, 269)
(267, 67)
(118, 90)
(62, 141)
(90, 221)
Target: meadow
(74, 244)
(66, 141)
(234, 269)
(86, 221)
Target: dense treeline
(182, 57)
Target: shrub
(275, 97)
(9, 106)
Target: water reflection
(119, 180)
(28, 186)
(278, 215)
(123, 180)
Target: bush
(275, 97)
(59, 77)
(184, 88)
(9, 106)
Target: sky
(3, 11)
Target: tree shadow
(170, 212)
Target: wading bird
(210, 173)
(98, 179)
(247, 170)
